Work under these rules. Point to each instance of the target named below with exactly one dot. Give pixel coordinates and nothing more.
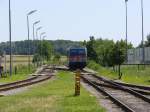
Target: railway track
(43, 75)
(128, 99)
(134, 86)
(145, 90)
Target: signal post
(77, 82)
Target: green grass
(52, 96)
(13, 78)
(22, 73)
(131, 74)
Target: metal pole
(126, 3)
(143, 51)
(28, 42)
(37, 34)
(43, 39)
(28, 27)
(10, 38)
(33, 32)
(34, 29)
(34, 35)
(5, 61)
(38, 42)
(37, 31)
(41, 47)
(33, 39)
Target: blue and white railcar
(77, 58)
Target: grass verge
(22, 73)
(131, 74)
(52, 96)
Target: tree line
(21, 47)
(106, 52)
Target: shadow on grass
(72, 96)
(147, 81)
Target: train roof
(77, 48)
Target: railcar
(77, 58)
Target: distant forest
(21, 47)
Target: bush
(93, 65)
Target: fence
(135, 56)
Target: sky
(75, 19)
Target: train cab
(77, 58)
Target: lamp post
(39, 28)
(143, 51)
(10, 45)
(41, 45)
(35, 23)
(44, 37)
(126, 4)
(43, 41)
(28, 27)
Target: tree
(1, 53)
(119, 54)
(21, 47)
(91, 53)
(57, 58)
(84, 43)
(36, 59)
(147, 43)
(45, 50)
(104, 49)
(107, 52)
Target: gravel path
(103, 100)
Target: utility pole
(126, 4)
(143, 50)
(10, 45)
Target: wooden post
(77, 83)
(119, 71)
